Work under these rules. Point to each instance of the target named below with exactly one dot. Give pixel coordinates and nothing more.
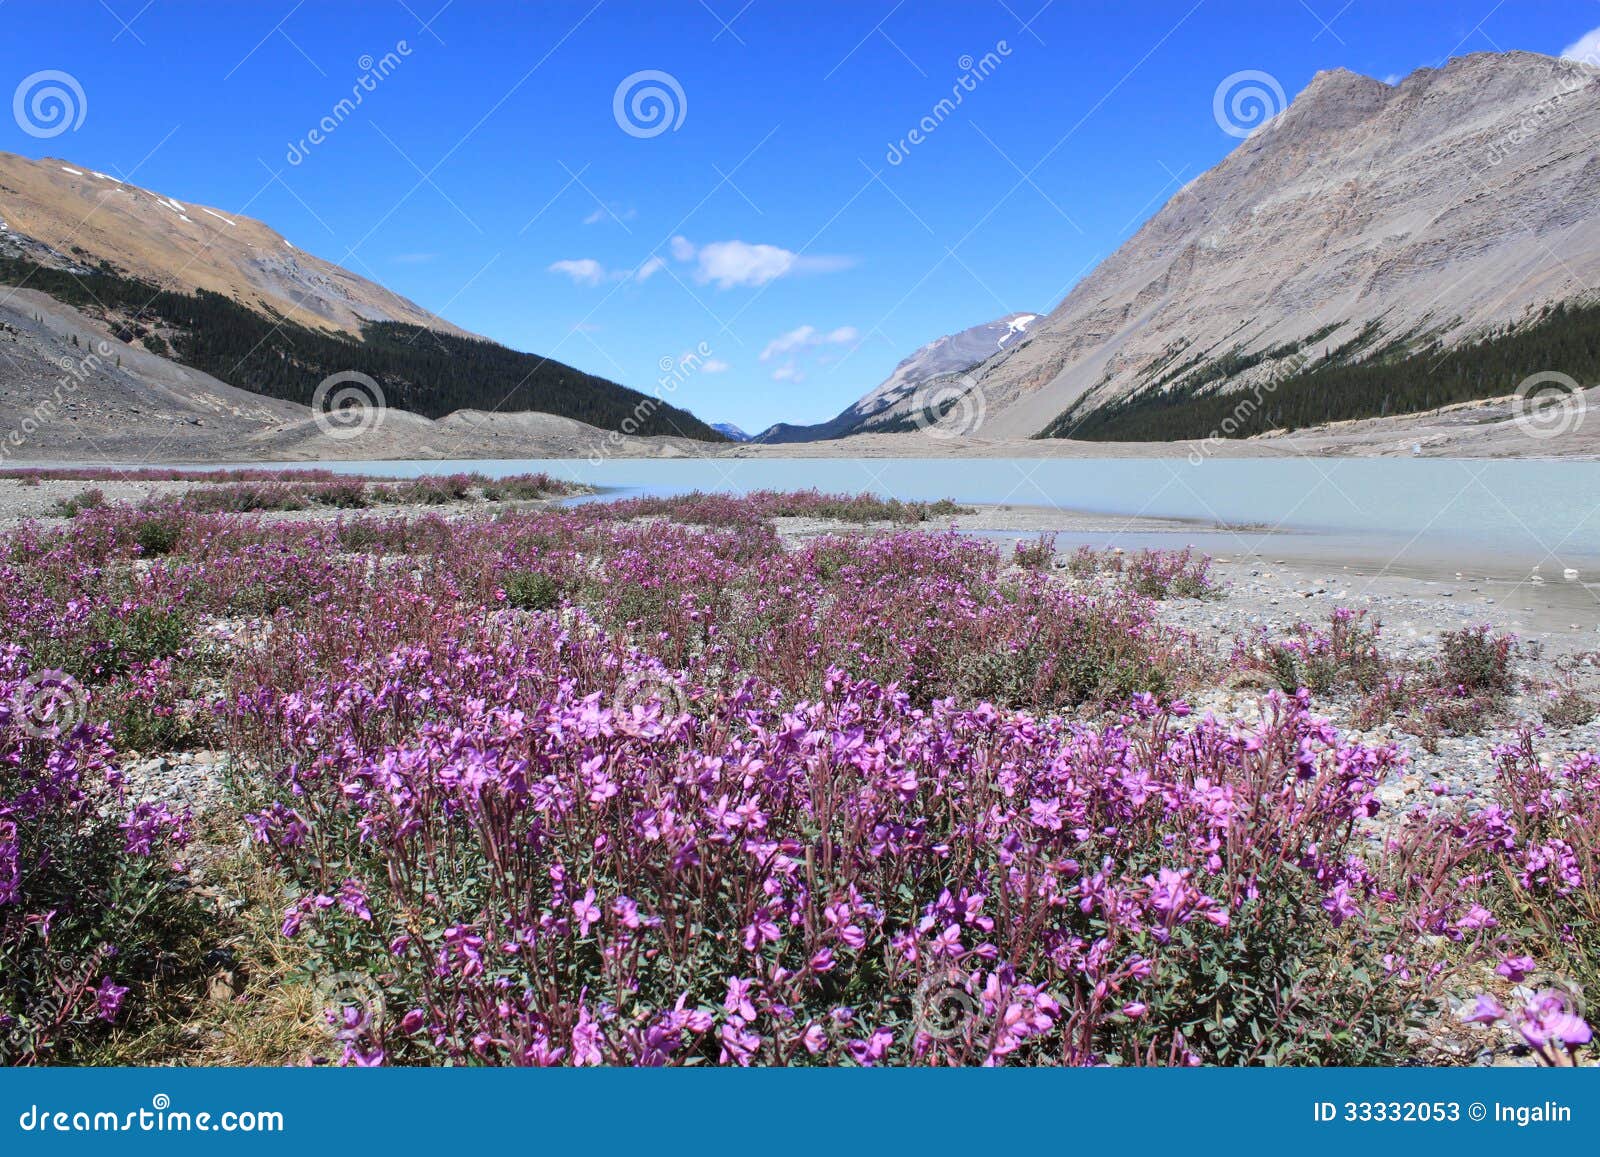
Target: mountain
(1373, 249)
(73, 391)
(177, 244)
(227, 296)
(730, 431)
(895, 402)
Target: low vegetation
(635, 783)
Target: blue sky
(488, 176)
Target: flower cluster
(81, 875)
(639, 783)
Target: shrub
(89, 914)
(1155, 574)
(1035, 555)
(1567, 707)
(89, 499)
(835, 879)
(1162, 574)
(1344, 656)
(158, 532)
(1477, 660)
(532, 591)
(1083, 563)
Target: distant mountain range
(895, 403)
(1372, 250)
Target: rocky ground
(1557, 622)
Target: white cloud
(794, 339)
(611, 212)
(583, 271)
(806, 337)
(1586, 49)
(715, 366)
(787, 373)
(731, 263)
(588, 271)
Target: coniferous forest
(1399, 378)
(420, 370)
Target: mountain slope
(72, 391)
(1366, 225)
(229, 297)
(188, 247)
(894, 402)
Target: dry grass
(256, 1004)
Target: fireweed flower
(586, 912)
(108, 998)
(1487, 1010)
(1515, 968)
(1547, 1019)
(874, 765)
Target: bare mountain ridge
(76, 211)
(895, 400)
(1462, 199)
